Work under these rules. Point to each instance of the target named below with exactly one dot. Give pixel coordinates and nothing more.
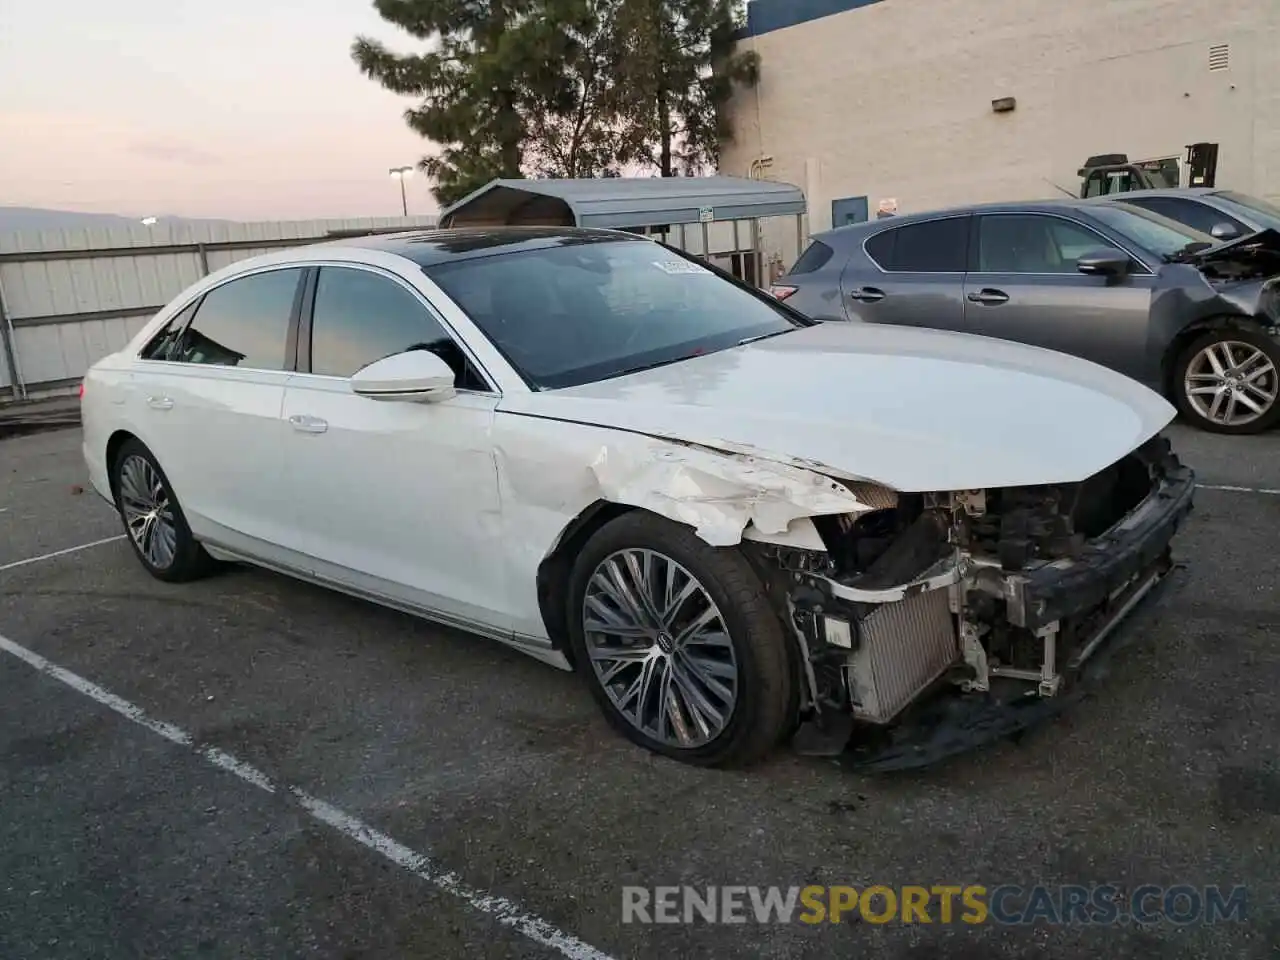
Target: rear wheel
(1227, 381)
(678, 643)
(153, 518)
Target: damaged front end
(936, 621)
(1254, 256)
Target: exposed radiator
(905, 646)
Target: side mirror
(1223, 231)
(416, 375)
(1104, 262)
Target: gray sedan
(1194, 318)
(1224, 214)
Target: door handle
(304, 424)
(160, 403)
(988, 296)
(867, 295)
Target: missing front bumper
(1109, 564)
(940, 728)
(927, 642)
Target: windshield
(1266, 213)
(1160, 235)
(585, 311)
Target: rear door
(910, 275)
(208, 405)
(1024, 286)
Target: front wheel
(1226, 382)
(678, 643)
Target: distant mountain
(26, 219)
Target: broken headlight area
(973, 607)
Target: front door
(1024, 286)
(396, 497)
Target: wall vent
(1220, 56)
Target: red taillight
(780, 292)
(81, 389)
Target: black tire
(1224, 335)
(189, 561)
(766, 688)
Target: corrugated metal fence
(70, 297)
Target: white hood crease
(718, 494)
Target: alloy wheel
(660, 648)
(148, 512)
(1231, 383)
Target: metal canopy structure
(624, 202)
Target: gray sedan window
(1193, 213)
(932, 246)
(1029, 243)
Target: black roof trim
(429, 248)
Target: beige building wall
(893, 99)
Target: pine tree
(680, 68)
(574, 110)
(472, 82)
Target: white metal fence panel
(70, 297)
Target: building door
(849, 210)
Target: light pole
(400, 173)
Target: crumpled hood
(1266, 240)
(1252, 256)
(914, 410)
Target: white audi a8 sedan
(741, 528)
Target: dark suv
(1194, 318)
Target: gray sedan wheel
(1228, 381)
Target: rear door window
(935, 246)
(244, 323)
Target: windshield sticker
(680, 267)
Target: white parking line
(59, 553)
(1230, 489)
(504, 911)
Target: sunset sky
(243, 109)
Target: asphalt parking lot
(509, 818)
